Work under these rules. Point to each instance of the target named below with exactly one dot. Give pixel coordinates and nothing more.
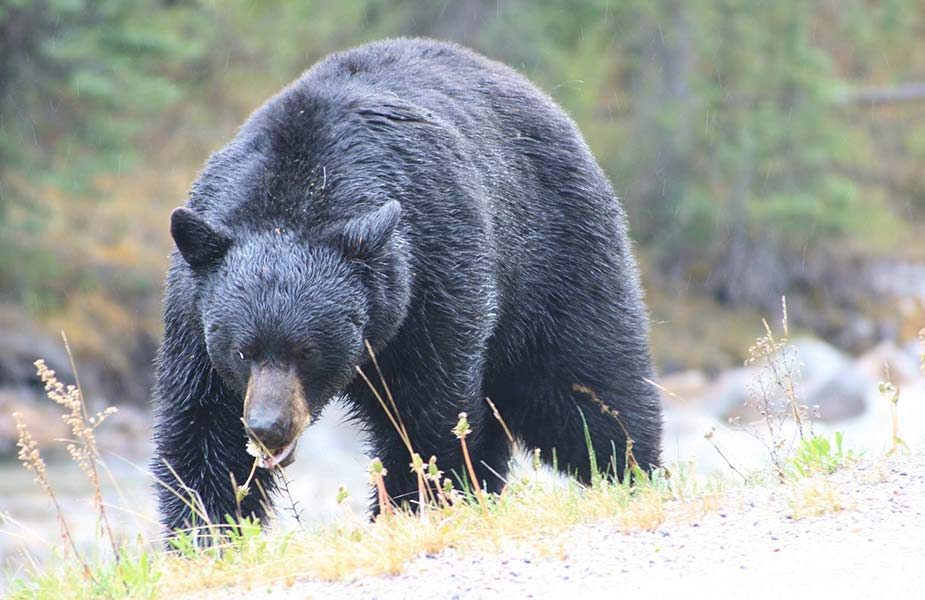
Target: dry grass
(775, 394)
(529, 513)
(813, 497)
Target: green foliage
(136, 575)
(816, 456)
(80, 80)
(90, 75)
(244, 538)
(596, 474)
(719, 121)
(185, 545)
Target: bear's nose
(270, 430)
(273, 434)
(272, 404)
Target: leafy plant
(816, 455)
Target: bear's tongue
(278, 459)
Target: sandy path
(749, 547)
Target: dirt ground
(750, 546)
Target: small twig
(401, 433)
(494, 411)
(388, 393)
(194, 503)
(615, 415)
(240, 491)
(709, 437)
(293, 504)
(32, 460)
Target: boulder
(832, 385)
(43, 420)
(819, 360)
(886, 359)
(682, 387)
(841, 396)
(20, 345)
(728, 394)
(827, 381)
(686, 440)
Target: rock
(872, 431)
(857, 332)
(126, 433)
(44, 421)
(685, 441)
(682, 387)
(842, 396)
(727, 395)
(832, 383)
(903, 367)
(20, 345)
(824, 377)
(818, 359)
(915, 351)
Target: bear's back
(459, 140)
(555, 219)
(499, 134)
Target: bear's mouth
(281, 458)
(269, 460)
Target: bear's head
(285, 317)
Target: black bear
(417, 195)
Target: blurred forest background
(761, 149)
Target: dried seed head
(241, 492)
(417, 463)
(433, 473)
(462, 426)
(376, 470)
(29, 454)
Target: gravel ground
(749, 546)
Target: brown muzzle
(275, 410)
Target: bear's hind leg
(559, 409)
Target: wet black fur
(504, 270)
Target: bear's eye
(241, 355)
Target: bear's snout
(275, 410)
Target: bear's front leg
(200, 446)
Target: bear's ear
(200, 244)
(365, 236)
